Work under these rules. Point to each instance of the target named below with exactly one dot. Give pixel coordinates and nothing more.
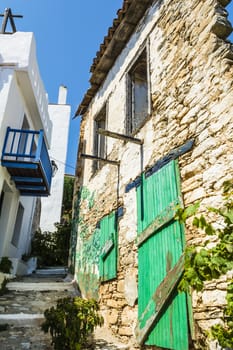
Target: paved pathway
(22, 308)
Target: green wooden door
(108, 244)
(162, 311)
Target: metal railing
(27, 146)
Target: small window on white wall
(18, 225)
(138, 93)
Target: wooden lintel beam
(89, 156)
(122, 137)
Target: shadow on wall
(230, 19)
(4, 76)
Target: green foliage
(4, 289)
(182, 214)
(52, 248)
(5, 265)
(224, 334)
(71, 322)
(67, 195)
(207, 264)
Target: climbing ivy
(204, 264)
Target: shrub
(5, 265)
(52, 248)
(71, 322)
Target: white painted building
(25, 137)
(51, 206)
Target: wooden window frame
(99, 141)
(136, 77)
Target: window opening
(138, 92)
(99, 140)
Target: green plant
(204, 264)
(52, 248)
(71, 322)
(224, 333)
(5, 265)
(4, 289)
(67, 194)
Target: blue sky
(68, 34)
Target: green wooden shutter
(162, 311)
(108, 243)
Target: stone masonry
(190, 68)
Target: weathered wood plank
(160, 297)
(122, 137)
(162, 219)
(105, 160)
(109, 244)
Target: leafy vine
(205, 264)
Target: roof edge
(123, 26)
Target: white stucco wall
(18, 53)
(51, 206)
(21, 94)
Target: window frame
(131, 125)
(99, 141)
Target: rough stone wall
(192, 97)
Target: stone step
(23, 338)
(22, 319)
(52, 271)
(42, 286)
(30, 302)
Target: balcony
(26, 158)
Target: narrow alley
(22, 308)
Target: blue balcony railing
(26, 157)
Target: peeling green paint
(86, 244)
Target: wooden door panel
(162, 311)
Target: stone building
(156, 131)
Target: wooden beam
(163, 218)
(158, 300)
(89, 156)
(121, 137)
(109, 244)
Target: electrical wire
(66, 164)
